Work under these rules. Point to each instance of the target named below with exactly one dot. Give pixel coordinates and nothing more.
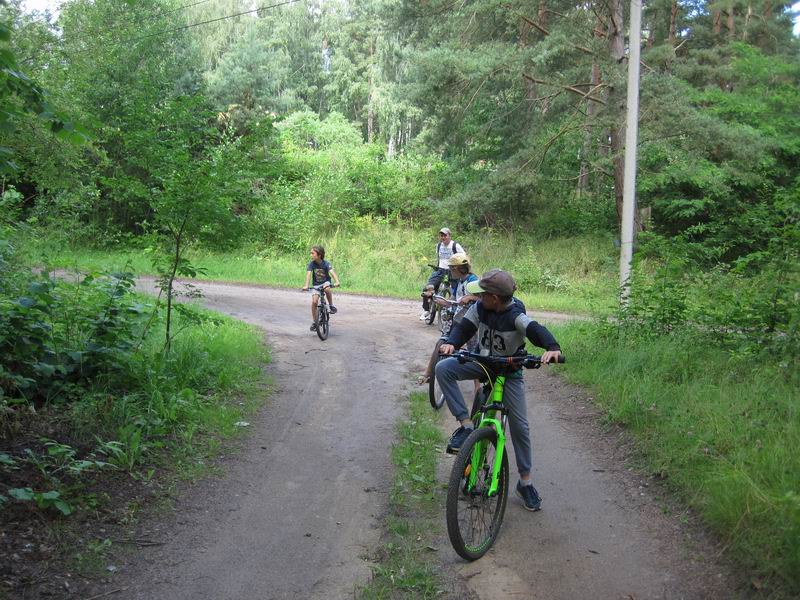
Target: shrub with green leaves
(56, 337)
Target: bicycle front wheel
(473, 516)
(446, 295)
(322, 322)
(432, 313)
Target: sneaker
(458, 438)
(313, 327)
(530, 497)
(333, 309)
(424, 316)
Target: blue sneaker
(458, 438)
(530, 497)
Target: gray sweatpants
(449, 372)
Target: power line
(143, 17)
(137, 18)
(247, 12)
(183, 27)
(172, 10)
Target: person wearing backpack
(444, 250)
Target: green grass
(406, 567)
(184, 400)
(572, 275)
(723, 432)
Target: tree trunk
(731, 24)
(524, 32)
(767, 9)
(370, 115)
(717, 16)
(673, 22)
(586, 150)
(747, 18)
(591, 109)
(616, 45)
(541, 14)
(370, 103)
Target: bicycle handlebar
(446, 300)
(529, 361)
(320, 287)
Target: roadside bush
(55, 338)
(749, 308)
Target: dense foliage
(283, 125)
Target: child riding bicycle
(321, 271)
(502, 327)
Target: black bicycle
(447, 316)
(435, 311)
(323, 316)
(478, 488)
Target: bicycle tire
(467, 509)
(434, 310)
(434, 391)
(446, 295)
(322, 322)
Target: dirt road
(297, 513)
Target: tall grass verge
(724, 432)
(575, 275)
(183, 400)
(405, 568)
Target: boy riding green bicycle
(502, 327)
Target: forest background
(222, 138)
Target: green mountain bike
(478, 487)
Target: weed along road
(296, 513)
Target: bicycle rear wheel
(434, 391)
(322, 322)
(473, 517)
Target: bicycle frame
(322, 316)
(447, 313)
(488, 419)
